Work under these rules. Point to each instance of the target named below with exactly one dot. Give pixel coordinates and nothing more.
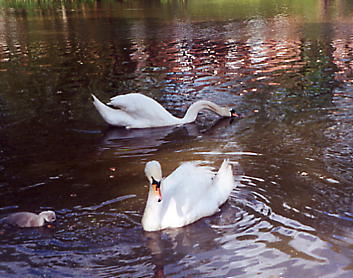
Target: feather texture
(189, 193)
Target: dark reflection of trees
(294, 142)
(177, 67)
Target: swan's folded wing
(146, 111)
(133, 103)
(189, 184)
(224, 181)
(123, 102)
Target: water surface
(286, 66)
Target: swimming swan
(29, 219)
(186, 195)
(139, 111)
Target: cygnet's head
(153, 171)
(48, 215)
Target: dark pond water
(285, 65)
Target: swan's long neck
(196, 107)
(152, 213)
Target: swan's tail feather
(224, 181)
(98, 104)
(110, 115)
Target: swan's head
(224, 111)
(48, 215)
(233, 114)
(153, 171)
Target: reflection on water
(285, 66)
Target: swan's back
(182, 183)
(143, 108)
(133, 102)
(192, 192)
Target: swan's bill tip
(234, 114)
(50, 226)
(157, 190)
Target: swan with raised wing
(189, 193)
(139, 111)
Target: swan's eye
(156, 183)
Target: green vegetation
(42, 4)
(207, 9)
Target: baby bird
(30, 219)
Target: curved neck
(40, 219)
(151, 218)
(43, 216)
(196, 107)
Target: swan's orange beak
(156, 185)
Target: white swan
(29, 219)
(139, 111)
(186, 195)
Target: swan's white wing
(145, 110)
(188, 195)
(130, 102)
(135, 103)
(224, 182)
